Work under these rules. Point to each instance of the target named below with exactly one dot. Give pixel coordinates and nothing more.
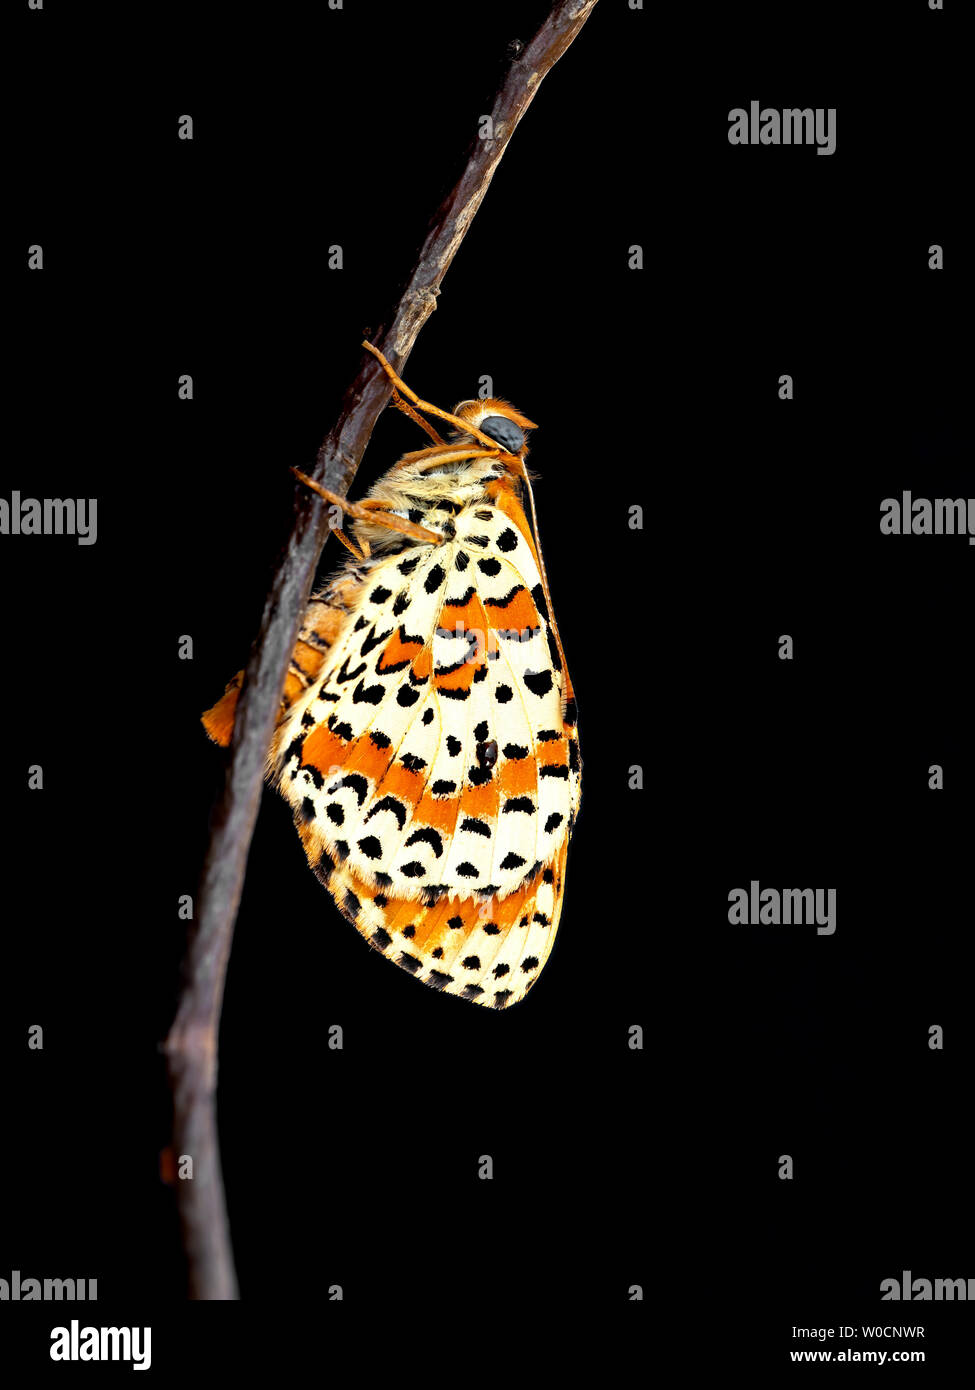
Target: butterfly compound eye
(505, 431)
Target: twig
(191, 1047)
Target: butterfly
(427, 737)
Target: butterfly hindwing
(429, 767)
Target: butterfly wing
(433, 779)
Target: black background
(656, 387)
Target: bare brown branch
(191, 1047)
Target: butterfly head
(499, 421)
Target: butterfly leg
(361, 511)
(400, 385)
(407, 409)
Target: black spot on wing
(372, 641)
(434, 579)
(461, 599)
(432, 893)
(476, 827)
(346, 675)
(356, 783)
(368, 694)
(538, 682)
(428, 835)
(508, 540)
(389, 803)
(505, 600)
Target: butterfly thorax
(433, 497)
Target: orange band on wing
(461, 679)
(480, 801)
(440, 813)
(518, 777)
(323, 750)
(396, 651)
(368, 759)
(469, 615)
(554, 754)
(519, 614)
(400, 781)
